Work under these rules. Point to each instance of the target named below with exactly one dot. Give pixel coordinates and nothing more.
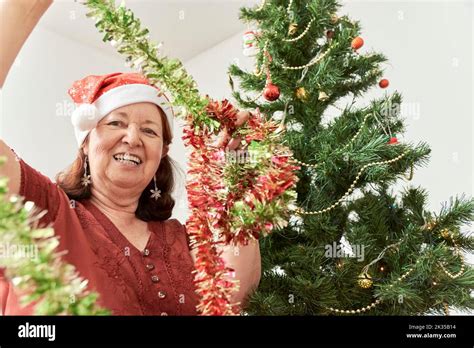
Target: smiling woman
(111, 208)
(70, 180)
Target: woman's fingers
(242, 117)
(234, 143)
(224, 139)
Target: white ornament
(353, 216)
(295, 126)
(278, 115)
(322, 41)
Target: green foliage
(35, 267)
(298, 277)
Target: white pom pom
(85, 117)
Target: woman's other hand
(18, 18)
(224, 139)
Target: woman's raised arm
(17, 20)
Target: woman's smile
(127, 160)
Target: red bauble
(393, 140)
(271, 92)
(357, 43)
(384, 83)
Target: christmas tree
(353, 245)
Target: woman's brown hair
(148, 209)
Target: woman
(111, 208)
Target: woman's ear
(85, 145)
(166, 148)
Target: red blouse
(155, 281)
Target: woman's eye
(114, 123)
(150, 131)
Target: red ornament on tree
(271, 92)
(357, 43)
(393, 140)
(384, 83)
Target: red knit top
(155, 281)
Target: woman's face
(126, 147)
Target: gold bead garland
(348, 143)
(262, 5)
(305, 164)
(429, 226)
(354, 311)
(373, 304)
(300, 211)
(459, 254)
(258, 71)
(311, 63)
(446, 308)
(358, 132)
(299, 37)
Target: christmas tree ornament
(365, 281)
(299, 37)
(292, 29)
(323, 96)
(357, 43)
(250, 43)
(329, 34)
(301, 94)
(384, 83)
(393, 140)
(334, 19)
(429, 225)
(445, 233)
(322, 41)
(409, 177)
(271, 91)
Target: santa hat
(96, 96)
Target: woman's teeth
(127, 159)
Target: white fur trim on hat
(86, 116)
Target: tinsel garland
(231, 202)
(53, 285)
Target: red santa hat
(96, 96)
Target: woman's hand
(244, 260)
(224, 139)
(18, 19)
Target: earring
(86, 179)
(155, 193)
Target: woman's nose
(132, 138)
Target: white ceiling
(204, 23)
